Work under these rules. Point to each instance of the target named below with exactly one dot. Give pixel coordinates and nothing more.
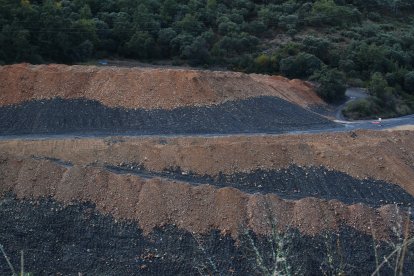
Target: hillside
(333, 42)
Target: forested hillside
(332, 42)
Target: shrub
(377, 85)
(317, 46)
(374, 16)
(300, 66)
(332, 85)
(288, 21)
(365, 109)
(409, 82)
(327, 12)
(355, 82)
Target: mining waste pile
(89, 100)
(138, 171)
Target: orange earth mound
(146, 88)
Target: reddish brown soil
(387, 155)
(146, 88)
(156, 202)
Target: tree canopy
(357, 41)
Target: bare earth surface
(146, 88)
(406, 127)
(385, 155)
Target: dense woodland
(335, 43)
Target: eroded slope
(157, 202)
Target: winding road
(346, 126)
(354, 94)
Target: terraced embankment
(304, 188)
(327, 203)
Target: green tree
(165, 36)
(197, 52)
(189, 24)
(329, 13)
(300, 66)
(83, 51)
(141, 45)
(377, 85)
(226, 26)
(180, 42)
(317, 46)
(145, 20)
(85, 12)
(332, 85)
(269, 15)
(265, 64)
(369, 58)
(256, 27)
(169, 9)
(409, 82)
(211, 4)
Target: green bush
(265, 64)
(409, 82)
(332, 85)
(374, 16)
(377, 85)
(355, 82)
(327, 12)
(300, 66)
(360, 109)
(197, 52)
(288, 22)
(317, 46)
